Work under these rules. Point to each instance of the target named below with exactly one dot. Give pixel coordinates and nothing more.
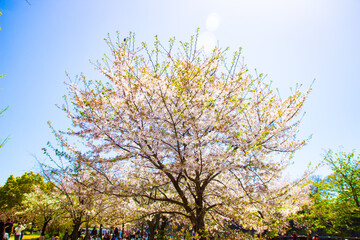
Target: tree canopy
(335, 198)
(190, 130)
(14, 190)
(341, 191)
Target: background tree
(14, 190)
(335, 198)
(345, 180)
(208, 138)
(314, 215)
(77, 197)
(72, 199)
(342, 190)
(42, 206)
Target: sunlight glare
(212, 22)
(207, 40)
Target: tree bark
(44, 226)
(100, 231)
(75, 232)
(199, 226)
(153, 225)
(142, 231)
(87, 232)
(122, 231)
(161, 234)
(199, 221)
(32, 225)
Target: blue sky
(292, 41)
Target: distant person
(93, 233)
(6, 236)
(107, 236)
(116, 233)
(132, 234)
(294, 236)
(2, 229)
(9, 227)
(22, 227)
(66, 236)
(17, 231)
(126, 234)
(316, 237)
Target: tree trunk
(122, 231)
(161, 234)
(44, 226)
(153, 225)
(75, 231)
(142, 230)
(308, 237)
(199, 227)
(32, 226)
(198, 220)
(198, 223)
(100, 231)
(87, 232)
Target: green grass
(27, 237)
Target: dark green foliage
(13, 191)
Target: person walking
(2, 230)
(107, 236)
(66, 236)
(316, 237)
(6, 236)
(22, 227)
(116, 233)
(294, 236)
(8, 227)
(17, 231)
(94, 233)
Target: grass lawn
(30, 236)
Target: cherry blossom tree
(42, 206)
(197, 135)
(75, 192)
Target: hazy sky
(292, 41)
